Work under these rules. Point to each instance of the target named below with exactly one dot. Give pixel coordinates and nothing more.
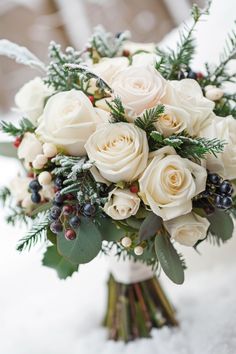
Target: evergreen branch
(35, 234)
(172, 62)
(105, 44)
(117, 110)
(149, 118)
(5, 195)
(188, 147)
(24, 126)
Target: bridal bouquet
(129, 152)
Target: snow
(39, 314)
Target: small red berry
(70, 234)
(134, 188)
(70, 197)
(30, 174)
(92, 100)
(126, 53)
(200, 76)
(68, 209)
(17, 142)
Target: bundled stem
(134, 309)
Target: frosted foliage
(20, 54)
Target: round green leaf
(109, 230)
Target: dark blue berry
(192, 75)
(74, 222)
(59, 182)
(226, 187)
(36, 198)
(34, 186)
(213, 178)
(227, 202)
(56, 227)
(55, 213)
(89, 209)
(218, 201)
(59, 198)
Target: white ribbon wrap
(128, 271)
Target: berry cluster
(66, 213)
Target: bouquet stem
(134, 309)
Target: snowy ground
(41, 315)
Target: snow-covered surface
(40, 314)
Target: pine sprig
(105, 44)
(117, 110)
(5, 195)
(17, 131)
(173, 61)
(149, 118)
(35, 234)
(188, 147)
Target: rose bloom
(187, 229)
(223, 128)
(139, 88)
(30, 99)
(174, 121)
(121, 204)
(68, 120)
(170, 182)
(30, 147)
(119, 151)
(107, 68)
(187, 94)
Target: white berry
(44, 178)
(40, 161)
(138, 250)
(49, 150)
(126, 242)
(214, 94)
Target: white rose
(187, 94)
(174, 121)
(139, 88)
(187, 229)
(223, 128)
(19, 188)
(30, 147)
(170, 182)
(144, 59)
(119, 151)
(68, 120)
(107, 68)
(121, 204)
(30, 99)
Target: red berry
(200, 76)
(70, 235)
(30, 174)
(126, 53)
(17, 142)
(68, 209)
(134, 189)
(92, 100)
(70, 197)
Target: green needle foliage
(149, 118)
(117, 111)
(17, 131)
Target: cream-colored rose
(30, 99)
(187, 229)
(174, 121)
(30, 147)
(121, 204)
(68, 120)
(144, 59)
(107, 68)
(187, 94)
(139, 87)
(170, 182)
(223, 128)
(119, 151)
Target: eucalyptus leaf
(134, 223)
(62, 266)
(86, 245)
(169, 258)
(51, 237)
(150, 226)
(109, 231)
(221, 225)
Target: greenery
(36, 233)
(105, 44)
(172, 62)
(186, 146)
(117, 110)
(226, 106)
(149, 227)
(171, 262)
(5, 196)
(221, 227)
(62, 266)
(17, 131)
(149, 118)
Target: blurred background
(33, 23)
